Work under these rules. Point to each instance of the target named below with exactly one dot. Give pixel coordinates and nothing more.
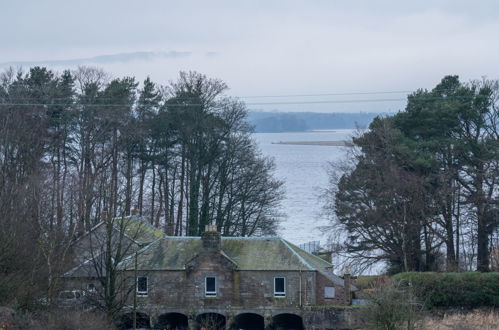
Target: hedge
(468, 290)
(366, 281)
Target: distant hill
(276, 122)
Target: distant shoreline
(317, 143)
(336, 130)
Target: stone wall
(332, 318)
(250, 289)
(342, 296)
(306, 318)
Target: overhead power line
(323, 94)
(257, 96)
(248, 104)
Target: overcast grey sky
(264, 47)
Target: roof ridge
(251, 237)
(142, 221)
(262, 238)
(302, 260)
(313, 255)
(139, 251)
(222, 252)
(86, 233)
(329, 274)
(72, 270)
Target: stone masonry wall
(182, 289)
(341, 296)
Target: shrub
(392, 306)
(369, 281)
(467, 290)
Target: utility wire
(255, 96)
(457, 97)
(324, 94)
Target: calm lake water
(303, 170)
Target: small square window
(329, 292)
(279, 287)
(210, 287)
(142, 288)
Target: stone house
(242, 282)
(213, 281)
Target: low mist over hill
(275, 122)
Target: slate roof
(135, 229)
(249, 253)
(87, 268)
(140, 231)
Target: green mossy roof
(249, 253)
(140, 231)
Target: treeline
(421, 190)
(273, 122)
(79, 146)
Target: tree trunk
(129, 180)
(178, 227)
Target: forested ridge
(420, 191)
(275, 122)
(79, 147)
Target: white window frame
(326, 296)
(142, 293)
(210, 293)
(280, 294)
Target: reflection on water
(302, 168)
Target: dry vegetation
(476, 319)
(63, 319)
(395, 306)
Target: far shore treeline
(278, 122)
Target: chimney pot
(211, 239)
(210, 228)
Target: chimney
(347, 282)
(326, 255)
(211, 239)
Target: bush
(467, 290)
(369, 281)
(392, 306)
